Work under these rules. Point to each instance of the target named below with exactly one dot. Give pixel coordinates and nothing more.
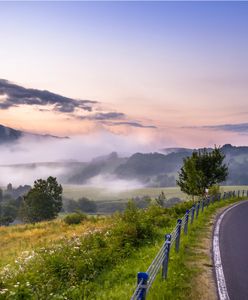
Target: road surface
(233, 246)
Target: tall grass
(100, 258)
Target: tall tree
(43, 201)
(202, 170)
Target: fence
(161, 261)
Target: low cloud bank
(113, 184)
(80, 148)
(30, 150)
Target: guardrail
(161, 261)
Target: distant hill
(9, 135)
(160, 170)
(147, 169)
(98, 166)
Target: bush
(214, 190)
(87, 205)
(75, 218)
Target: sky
(163, 73)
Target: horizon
(157, 74)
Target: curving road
(233, 248)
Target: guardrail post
(208, 200)
(243, 193)
(142, 277)
(167, 256)
(197, 209)
(179, 225)
(186, 222)
(247, 193)
(224, 196)
(193, 213)
(203, 203)
(238, 193)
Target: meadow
(97, 259)
(104, 194)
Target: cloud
(132, 124)
(30, 149)
(238, 128)
(103, 116)
(242, 127)
(14, 95)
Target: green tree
(8, 214)
(43, 201)
(86, 205)
(202, 170)
(160, 200)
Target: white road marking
(220, 278)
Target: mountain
(157, 169)
(8, 135)
(101, 165)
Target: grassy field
(101, 194)
(16, 239)
(111, 255)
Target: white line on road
(220, 278)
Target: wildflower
(3, 291)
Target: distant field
(102, 194)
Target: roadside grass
(190, 273)
(16, 239)
(70, 269)
(115, 279)
(188, 267)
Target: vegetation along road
(232, 246)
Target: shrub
(75, 218)
(214, 190)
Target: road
(233, 242)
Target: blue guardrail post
(203, 203)
(192, 214)
(167, 256)
(186, 222)
(142, 276)
(197, 209)
(179, 222)
(219, 196)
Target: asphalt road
(234, 251)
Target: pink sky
(177, 72)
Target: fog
(80, 148)
(111, 183)
(30, 150)
(20, 175)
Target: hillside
(158, 169)
(138, 170)
(9, 135)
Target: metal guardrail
(161, 261)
